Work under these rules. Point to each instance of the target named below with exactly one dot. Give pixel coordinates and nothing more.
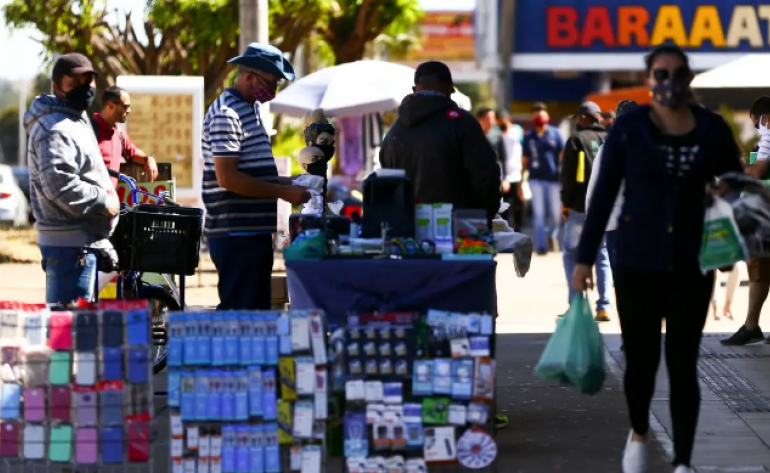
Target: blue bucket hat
(264, 57)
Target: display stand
(248, 391)
(76, 389)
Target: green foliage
(9, 133)
(746, 146)
(287, 143)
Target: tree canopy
(197, 37)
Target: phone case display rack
(419, 390)
(248, 391)
(76, 388)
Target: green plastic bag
(575, 353)
(308, 246)
(722, 245)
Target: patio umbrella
(351, 89)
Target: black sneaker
(744, 336)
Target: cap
(264, 57)
(624, 106)
(433, 72)
(70, 64)
(589, 108)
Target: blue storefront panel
(628, 26)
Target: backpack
(95, 126)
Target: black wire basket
(158, 239)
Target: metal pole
(507, 18)
(247, 15)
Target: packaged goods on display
(419, 390)
(246, 390)
(76, 386)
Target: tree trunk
(349, 51)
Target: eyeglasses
(276, 83)
(662, 74)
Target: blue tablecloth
(342, 286)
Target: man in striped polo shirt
(241, 186)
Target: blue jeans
(546, 202)
(69, 274)
(612, 247)
(572, 230)
(245, 268)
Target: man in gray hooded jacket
(73, 200)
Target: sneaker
(635, 456)
(602, 316)
(501, 422)
(744, 336)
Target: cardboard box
(279, 292)
(423, 222)
(442, 222)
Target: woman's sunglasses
(662, 74)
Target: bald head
(309, 155)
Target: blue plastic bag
(575, 353)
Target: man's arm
(226, 135)
(132, 153)
(594, 173)
(61, 183)
(482, 166)
(568, 171)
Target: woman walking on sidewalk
(668, 153)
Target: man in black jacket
(441, 147)
(579, 153)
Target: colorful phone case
(86, 331)
(59, 370)
(34, 442)
(86, 446)
(60, 445)
(85, 409)
(138, 328)
(9, 439)
(9, 325)
(33, 328)
(10, 401)
(112, 364)
(36, 367)
(112, 407)
(138, 369)
(112, 445)
(112, 329)
(61, 331)
(34, 404)
(60, 403)
(85, 368)
(138, 435)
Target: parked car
(14, 206)
(21, 173)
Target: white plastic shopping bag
(722, 245)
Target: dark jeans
(245, 267)
(70, 274)
(611, 238)
(644, 298)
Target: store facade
(566, 49)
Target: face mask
(81, 97)
(318, 168)
(328, 151)
(263, 93)
(540, 121)
(763, 128)
(671, 93)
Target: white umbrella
(355, 88)
(751, 71)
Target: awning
(752, 71)
(609, 100)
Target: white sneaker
(683, 469)
(635, 456)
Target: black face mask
(672, 93)
(318, 168)
(81, 97)
(328, 151)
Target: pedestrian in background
(576, 171)
(241, 186)
(608, 119)
(73, 200)
(542, 149)
(513, 136)
(488, 120)
(668, 153)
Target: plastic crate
(157, 239)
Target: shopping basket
(159, 239)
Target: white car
(14, 208)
